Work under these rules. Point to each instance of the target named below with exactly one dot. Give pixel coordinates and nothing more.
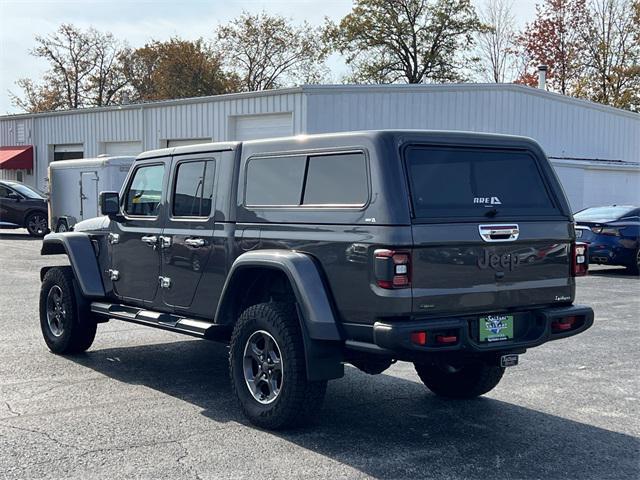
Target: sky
(138, 21)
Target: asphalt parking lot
(143, 403)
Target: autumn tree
(611, 38)
(410, 41)
(82, 71)
(175, 69)
(496, 42)
(269, 51)
(554, 39)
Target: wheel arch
(319, 325)
(84, 264)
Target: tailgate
(455, 270)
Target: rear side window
(315, 180)
(193, 193)
(145, 191)
(450, 183)
(274, 181)
(336, 180)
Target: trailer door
(88, 195)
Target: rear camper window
(478, 184)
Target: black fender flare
(78, 248)
(321, 335)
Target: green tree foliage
(269, 51)
(411, 41)
(175, 69)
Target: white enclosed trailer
(74, 186)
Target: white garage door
(251, 127)
(114, 149)
(187, 141)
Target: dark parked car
(613, 235)
(23, 206)
(306, 253)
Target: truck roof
(306, 141)
(92, 162)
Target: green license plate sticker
(496, 328)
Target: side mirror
(14, 196)
(109, 203)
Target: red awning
(16, 158)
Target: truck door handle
(194, 242)
(150, 240)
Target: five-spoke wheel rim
(55, 311)
(262, 367)
(37, 224)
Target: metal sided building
(595, 149)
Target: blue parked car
(612, 233)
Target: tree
(411, 41)
(496, 42)
(268, 51)
(82, 71)
(611, 37)
(554, 39)
(175, 69)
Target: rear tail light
(419, 338)
(610, 231)
(392, 268)
(579, 259)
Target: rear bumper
(395, 338)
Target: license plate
(496, 328)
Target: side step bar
(164, 321)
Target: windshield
(28, 192)
(601, 214)
(476, 183)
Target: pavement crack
(44, 434)
(15, 413)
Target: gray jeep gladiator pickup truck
(454, 251)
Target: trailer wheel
(62, 226)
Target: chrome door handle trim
(194, 242)
(499, 232)
(150, 240)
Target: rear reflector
(446, 339)
(419, 338)
(563, 324)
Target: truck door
(135, 237)
(88, 195)
(187, 239)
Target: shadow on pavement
(388, 427)
(18, 235)
(620, 272)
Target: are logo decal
(487, 201)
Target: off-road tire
(35, 223)
(62, 226)
(78, 328)
(299, 400)
(467, 381)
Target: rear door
(488, 231)
(187, 239)
(88, 195)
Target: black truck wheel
(634, 266)
(267, 368)
(465, 381)
(62, 328)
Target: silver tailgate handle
(499, 233)
(194, 242)
(150, 240)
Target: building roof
(325, 89)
